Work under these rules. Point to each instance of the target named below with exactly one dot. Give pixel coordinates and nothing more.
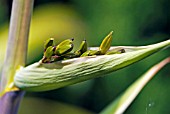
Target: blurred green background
(134, 23)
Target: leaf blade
(123, 101)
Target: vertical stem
(9, 102)
(15, 55)
(18, 40)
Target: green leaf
(41, 77)
(122, 102)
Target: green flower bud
(82, 48)
(69, 55)
(90, 53)
(105, 45)
(48, 54)
(64, 47)
(48, 42)
(116, 51)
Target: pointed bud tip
(111, 33)
(72, 39)
(52, 39)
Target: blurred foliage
(57, 21)
(44, 106)
(133, 22)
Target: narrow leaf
(123, 101)
(42, 77)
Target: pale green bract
(47, 76)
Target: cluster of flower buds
(63, 50)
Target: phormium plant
(60, 66)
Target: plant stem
(18, 40)
(15, 55)
(10, 101)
